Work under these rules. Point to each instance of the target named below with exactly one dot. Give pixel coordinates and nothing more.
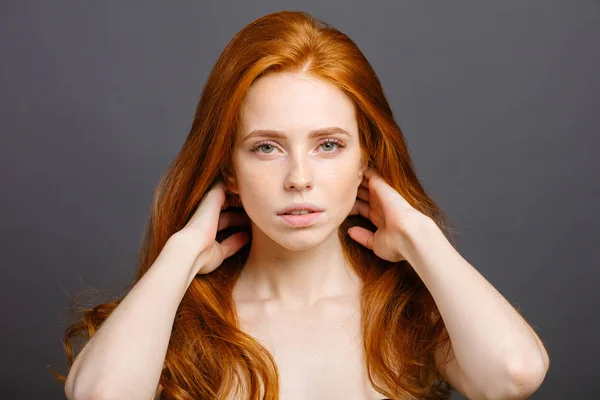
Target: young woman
(292, 253)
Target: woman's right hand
(200, 233)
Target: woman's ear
(361, 171)
(364, 165)
(359, 177)
(231, 184)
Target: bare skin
(317, 349)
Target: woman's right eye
(259, 146)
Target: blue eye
(263, 145)
(334, 142)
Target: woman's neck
(296, 279)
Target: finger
(362, 236)
(362, 208)
(364, 182)
(234, 243)
(233, 218)
(363, 193)
(380, 185)
(354, 210)
(231, 201)
(370, 172)
(210, 204)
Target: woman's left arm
(497, 354)
(495, 348)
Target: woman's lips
(300, 219)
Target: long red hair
(208, 355)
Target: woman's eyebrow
(280, 135)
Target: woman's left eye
(332, 142)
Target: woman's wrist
(180, 252)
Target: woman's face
(275, 172)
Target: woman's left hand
(393, 216)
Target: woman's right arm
(124, 358)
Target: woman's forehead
(295, 103)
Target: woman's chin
(301, 239)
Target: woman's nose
(299, 176)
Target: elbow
(527, 381)
(524, 378)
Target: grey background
(498, 101)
